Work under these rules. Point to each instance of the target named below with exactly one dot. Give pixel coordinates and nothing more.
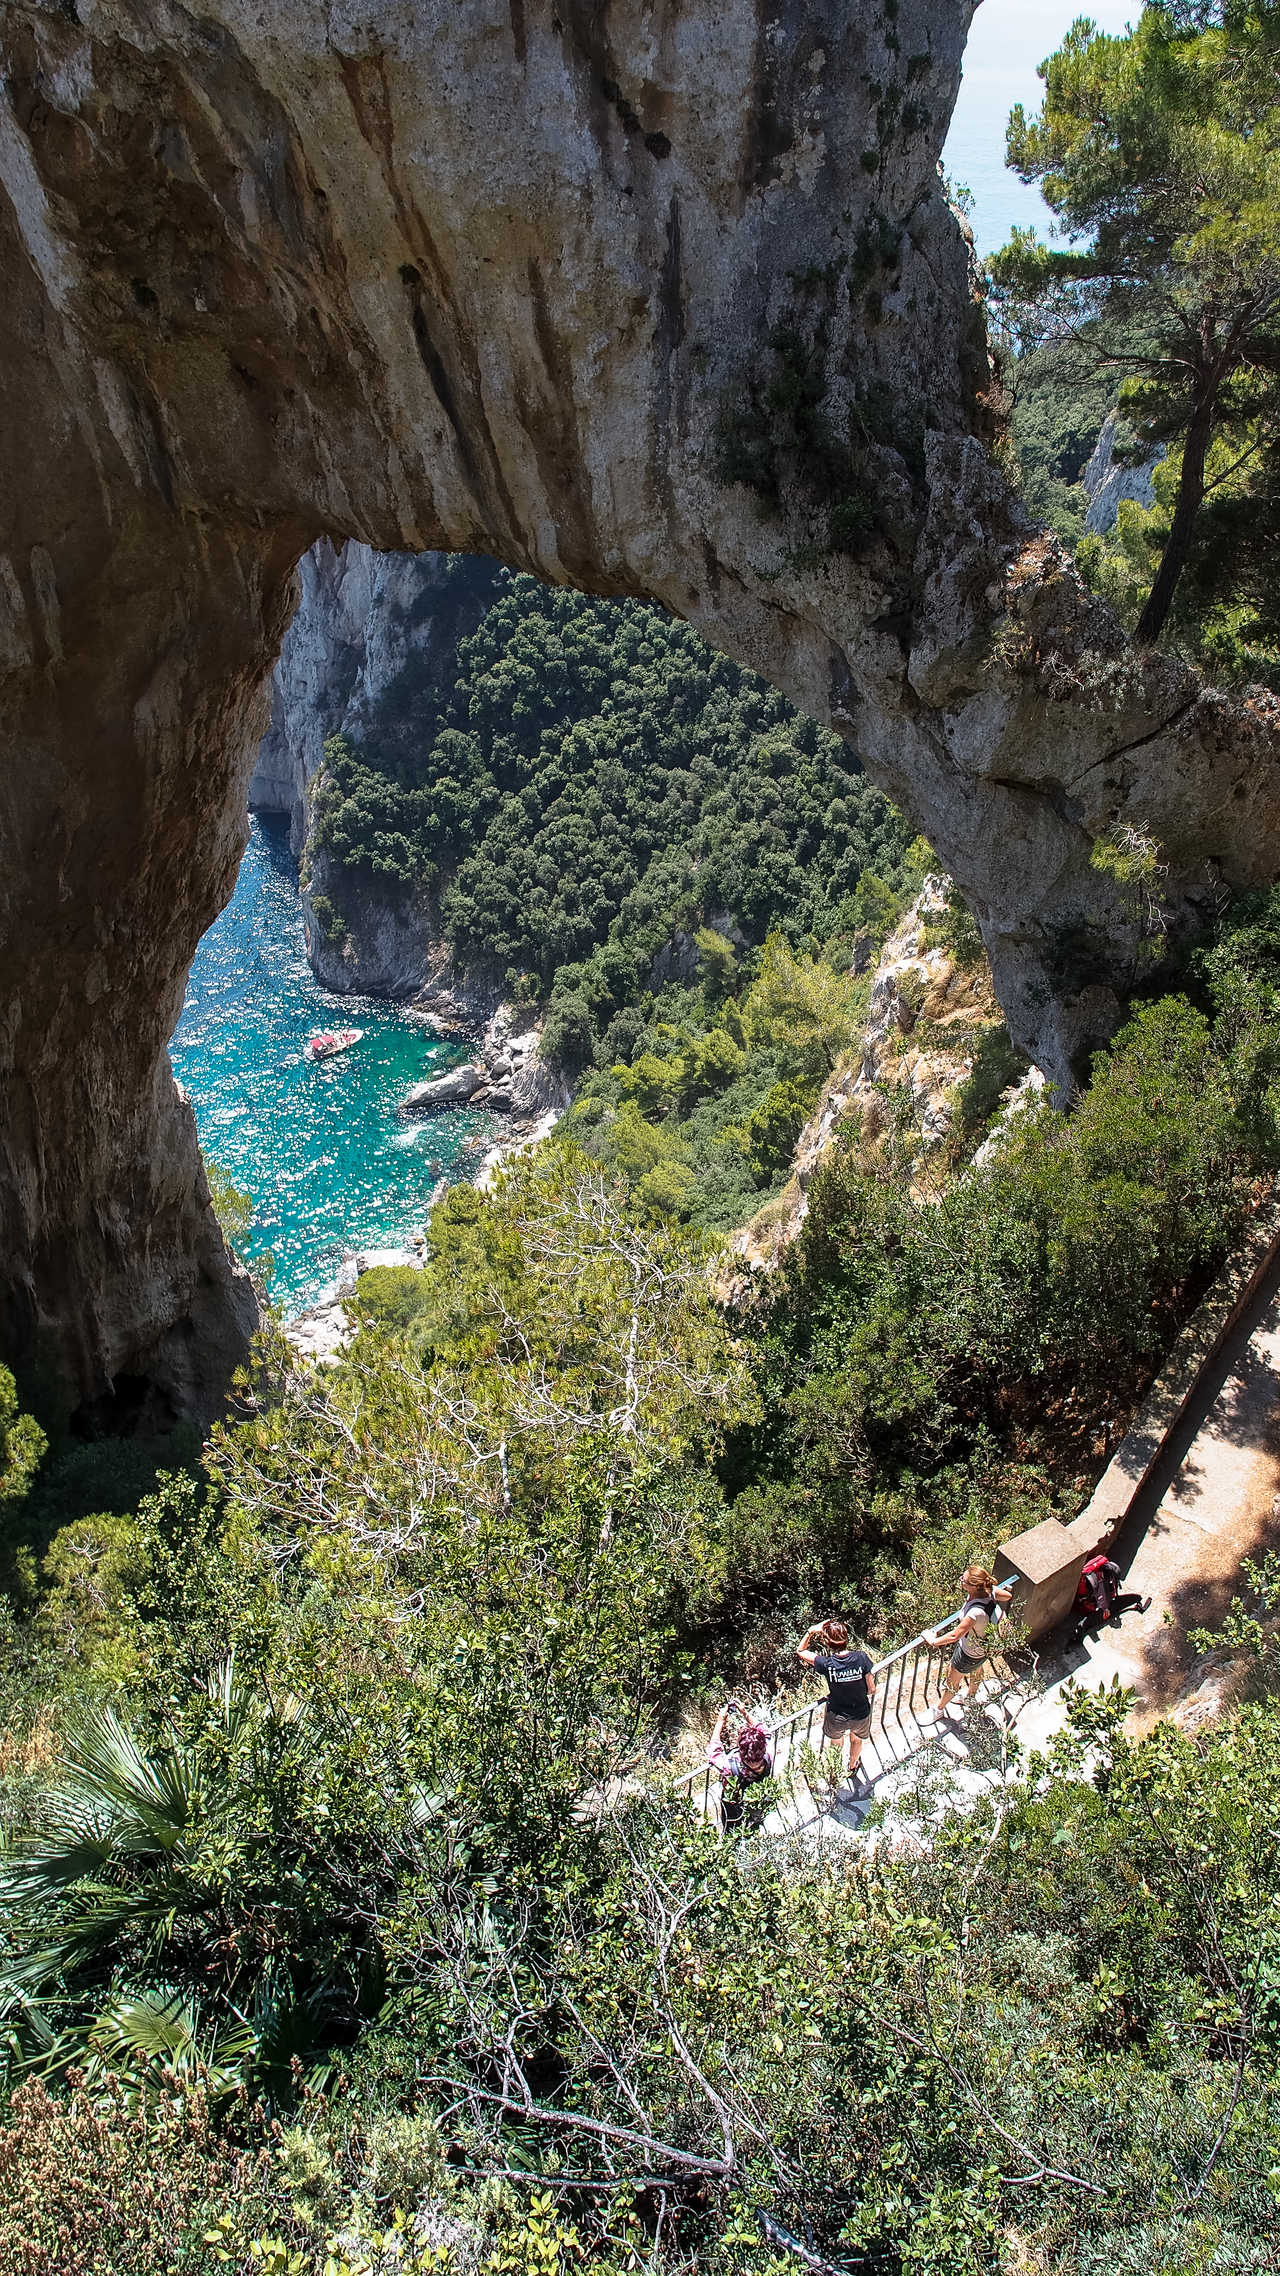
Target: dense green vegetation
(1159, 150)
(321, 1946)
(1061, 391)
(701, 1111)
(591, 781)
(348, 1924)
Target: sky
(1009, 38)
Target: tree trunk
(1190, 496)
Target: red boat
(333, 1039)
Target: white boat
(332, 1039)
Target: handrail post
(910, 1665)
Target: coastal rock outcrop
(656, 300)
(454, 1089)
(518, 1080)
(363, 940)
(1107, 481)
(931, 1012)
(508, 1075)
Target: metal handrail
(897, 1691)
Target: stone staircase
(1193, 1489)
(907, 1743)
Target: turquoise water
(1008, 39)
(330, 1165)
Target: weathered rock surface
(1107, 483)
(530, 278)
(518, 1077)
(317, 677)
(364, 939)
(926, 1019)
(507, 1075)
(453, 1089)
(458, 1000)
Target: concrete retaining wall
(1050, 1557)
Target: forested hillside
(349, 1924)
(593, 781)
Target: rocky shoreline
(507, 1076)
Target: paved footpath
(1212, 1499)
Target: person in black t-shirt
(851, 1687)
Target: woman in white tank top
(968, 1635)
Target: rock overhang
(664, 300)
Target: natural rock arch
(651, 296)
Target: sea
(1007, 41)
(329, 1163)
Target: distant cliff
(323, 673)
(372, 634)
(1108, 481)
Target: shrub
(1046, 1284)
(997, 1064)
(232, 1207)
(332, 924)
(773, 1129)
(105, 2184)
(391, 1296)
(23, 1444)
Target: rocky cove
(366, 624)
(323, 1149)
(341, 1158)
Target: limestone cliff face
(373, 634)
(363, 939)
(371, 631)
(661, 298)
(928, 1015)
(1107, 482)
(318, 674)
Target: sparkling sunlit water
(329, 1163)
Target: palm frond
(106, 1769)
(161, 2029)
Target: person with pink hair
(743, 1762)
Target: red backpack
(1097, 1587)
